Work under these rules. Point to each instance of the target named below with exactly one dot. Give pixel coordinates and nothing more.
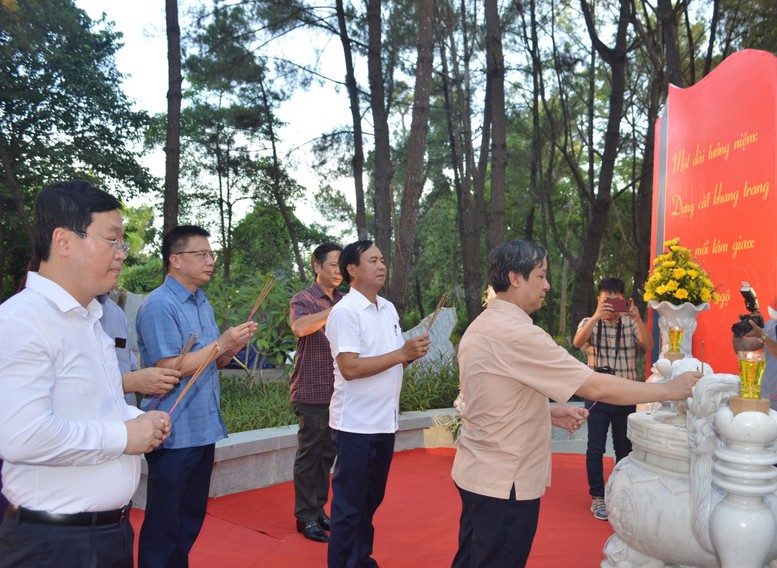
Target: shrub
(250, 403)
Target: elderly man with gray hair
(509, 368)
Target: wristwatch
(762, 338)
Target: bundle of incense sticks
(186, 348)
(440, 304)
(268, 284)
(207, 361)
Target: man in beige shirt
(509, 368)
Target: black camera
(606, 369)
(741, 327)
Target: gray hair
(516, 256)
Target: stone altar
(699, 488)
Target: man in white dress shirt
(70, 442)
(369, 355)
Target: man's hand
(233, 340)
(682, 384)
(603, 309)
(152, 380)
(634, 313)
(416, 347)
(146, 432)
(570, 418)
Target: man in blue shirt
(179, 471)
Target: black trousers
(25, 545)
(495, 533)
(178, 487)
(314, 459)
(358, 487)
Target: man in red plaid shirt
(311, 390)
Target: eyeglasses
(203, 254)
(116, 244)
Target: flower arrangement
(677, 278)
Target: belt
(100, 518)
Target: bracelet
(762, 339)
(218, 346)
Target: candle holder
(751, 371)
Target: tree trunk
(173, 144)
(668, 18)
(357, 162)
(496, 77)
(384, 170)
(280, 201)
(414, 181)
(582, 294)
(467, 212)
(644, 206)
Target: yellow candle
(751, 370)
(675, 338)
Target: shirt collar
(182, 292)
(60, 297)
(318, 291)
(363, 302)
(509, 308)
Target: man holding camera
(610, 337)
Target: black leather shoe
(323, 520)
(312, 530)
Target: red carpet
(416, 526)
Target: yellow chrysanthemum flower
(678, 278)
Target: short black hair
(176, 239)
(66, 204)
(352, 255)
(320, 253)
(516, 256)
(611, 285)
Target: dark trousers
(495, 533)
(314, 459)
(602, 415)
(178, 487)
(358, 486)
(44, 546)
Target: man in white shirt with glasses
(69, 440)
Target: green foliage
(250, 405)
(233, 305)
(142, 276)
(63, 115)
(429, 385)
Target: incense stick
(208, 360)
(268, 284)
(702, 357)
(437, 310)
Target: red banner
(714, 188)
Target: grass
(250, 403)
